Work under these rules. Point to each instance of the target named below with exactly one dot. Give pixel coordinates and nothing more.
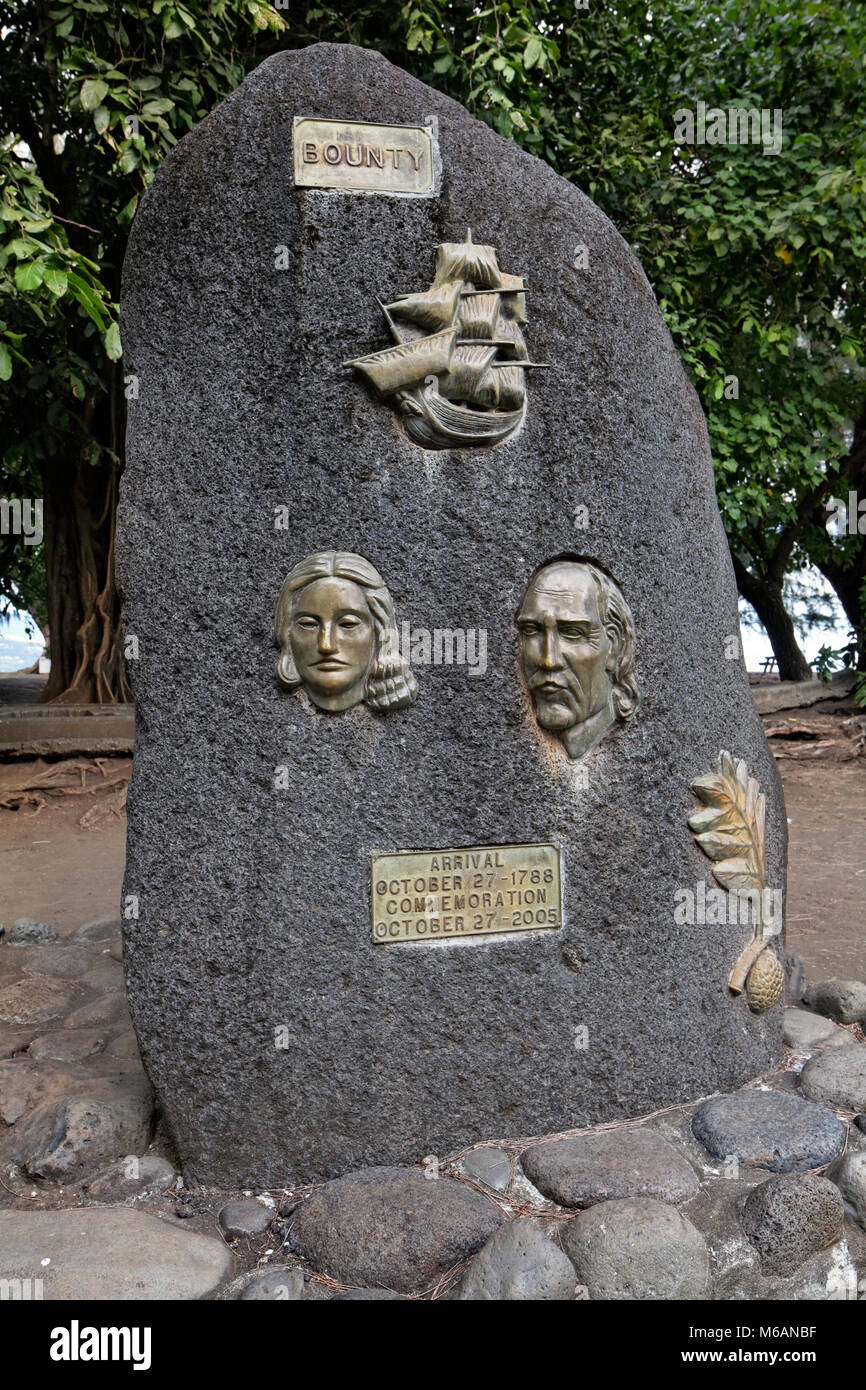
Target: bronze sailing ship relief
(457, 369)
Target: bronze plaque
(368, 158)
(445, 894)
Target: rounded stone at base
(583, 1169)
(842, 1000)
(849, 1175)
(770, 1129)
(245, 1218)
(392, 1227)
(808, 1032)
(110, 1253)
(27, 929)
(491, 1167)
(837, 1078)
(518, 1264)
(638, 1249)
(790, 1217)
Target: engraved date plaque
(445, 894)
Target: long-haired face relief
(334, 621)
(332, 639)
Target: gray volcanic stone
(843, 1000)
(244, 406)
(65, 1138)
(392, 1227)
(110, 1012)
(736, 1272)
(20, 1083)
(583, 1169)
(849, 1175)
(106, 977)
(837, 1078)
(790, 1217)
(27, 930)
(860, 1122)
(245, 1218)
(103, 929)
(68, 961)
(68, 1044)
(36, 999)
(770, 1129)
(637, 1248)
(109, 1253)
(124, 1045)
(518, 1264)
(807, 1032)
(492, 1167)
(15, 1038)
(131, 1179)
(274, 1285)
(795, 977)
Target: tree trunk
(843, 565)
(765, 596)
(848, 582)
(87, 663)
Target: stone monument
(444, 740)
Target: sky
(16, 648)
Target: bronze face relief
(335, 626)
(577, 651)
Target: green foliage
(94, 95)
(831, 660)
(757, 260)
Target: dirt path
(827, 866)
(52, 869)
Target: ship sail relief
(457, 368)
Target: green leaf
(5, 362)
(55, 280)
(88, 299)
(532, 53)
(29, 275)
(101, 119)
(92, 93)
(112, 342)
(157, 106)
